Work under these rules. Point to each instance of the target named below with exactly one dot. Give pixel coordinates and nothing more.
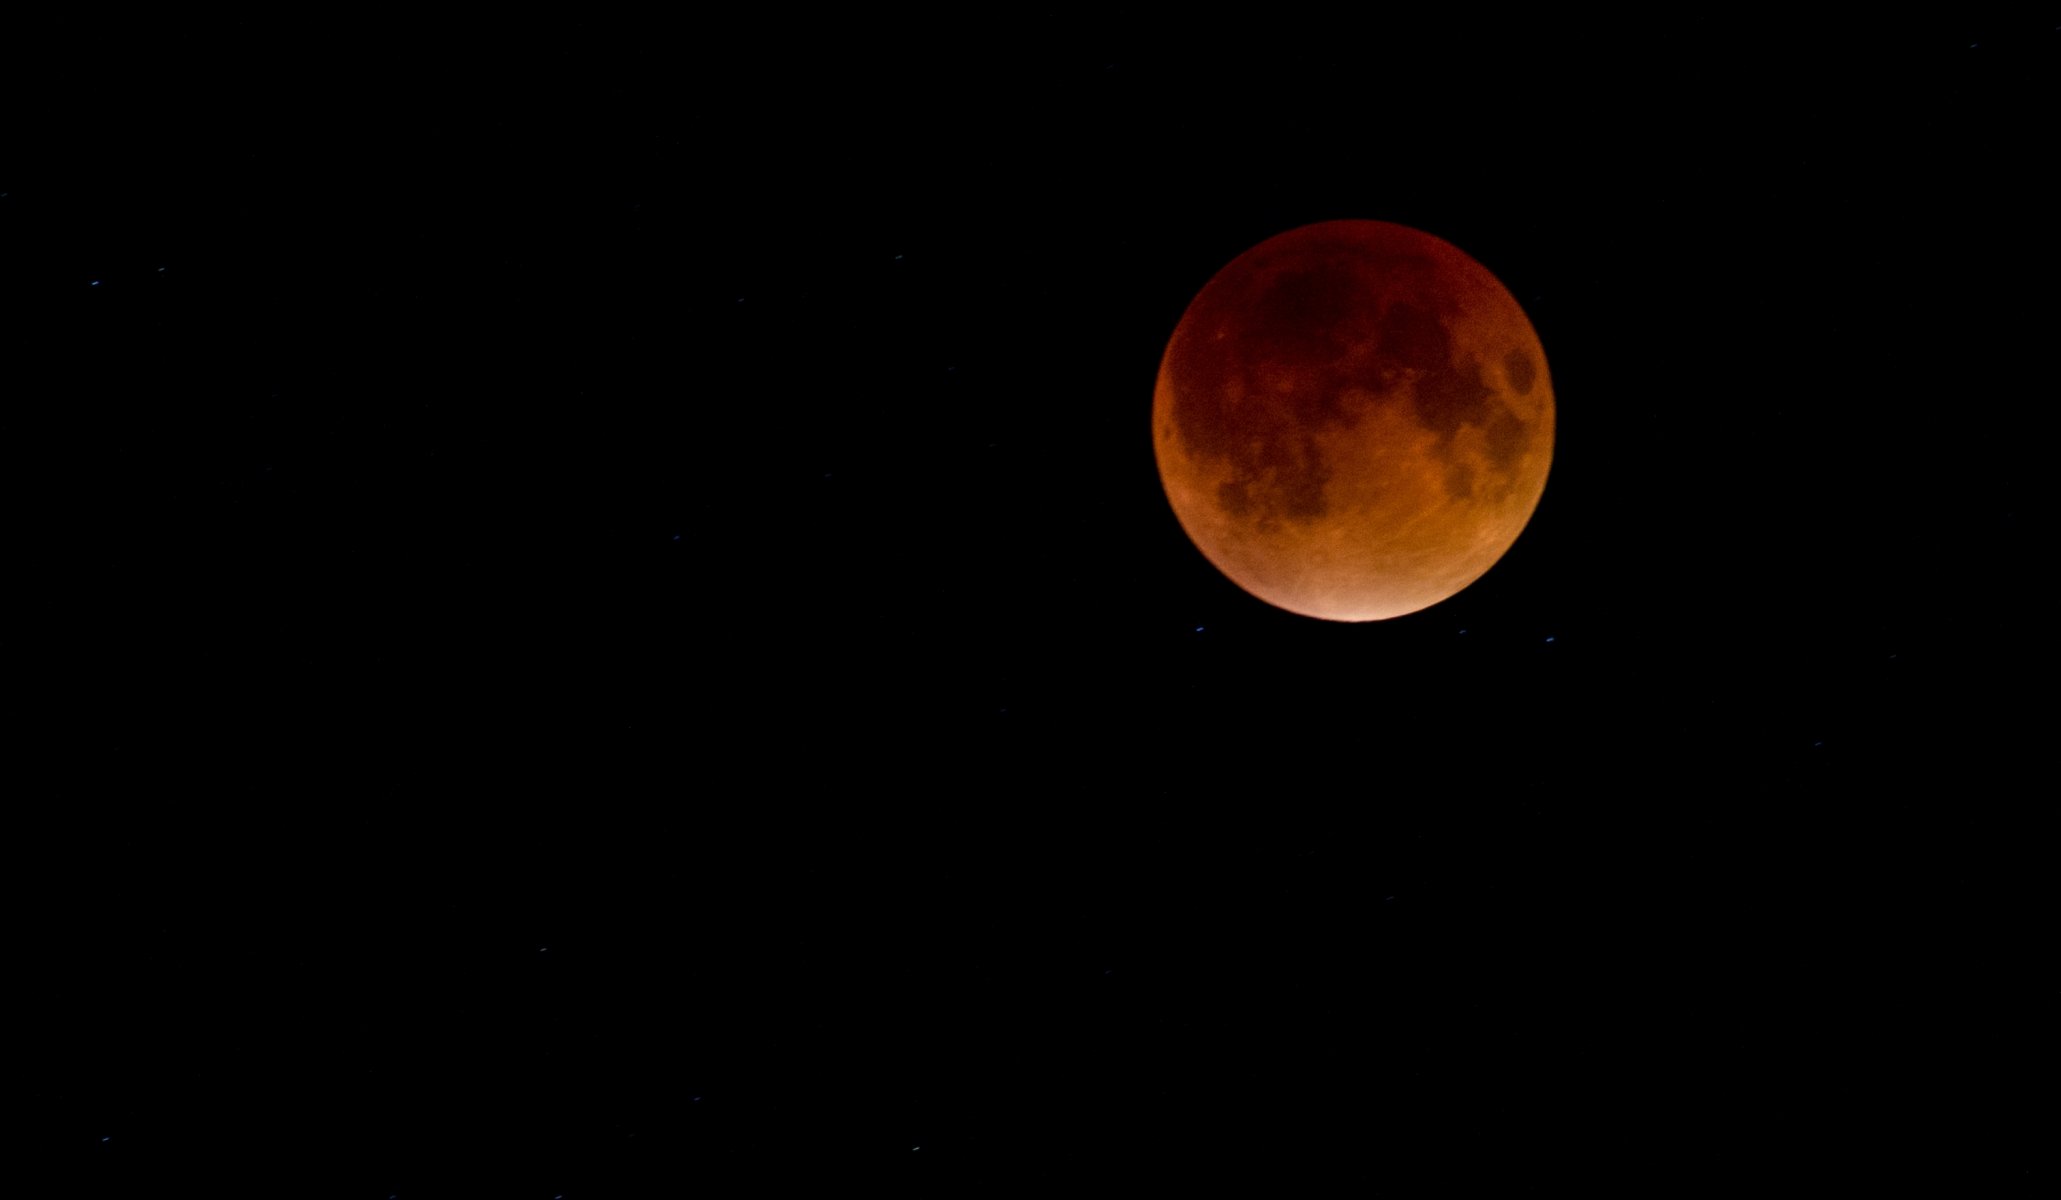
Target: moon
(1353, 420)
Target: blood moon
(1353, 420)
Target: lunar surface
(1353, 420)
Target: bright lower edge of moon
(1353, 420)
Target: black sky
(602, 619)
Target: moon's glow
(1353, 420)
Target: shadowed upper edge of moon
(1303, 340)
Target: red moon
(1353, 420)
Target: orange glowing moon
(1353, 420)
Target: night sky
(600, 619)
